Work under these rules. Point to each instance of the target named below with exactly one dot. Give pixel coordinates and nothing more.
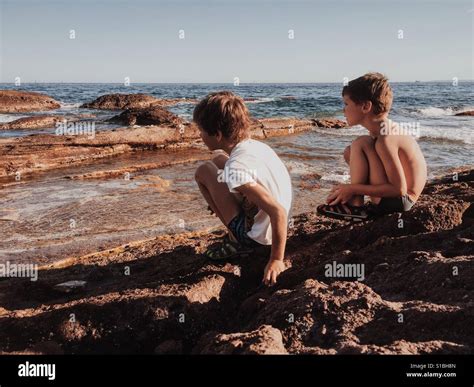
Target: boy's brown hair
(371, 87)
(225, 112)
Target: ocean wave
(444, 140)
(69, 105)
(259, 99)
(463, 135)
(440, 139)
(433, 111)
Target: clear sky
(227, 39)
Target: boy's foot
(227, 250)
(347, 212)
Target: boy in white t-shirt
(248, 187)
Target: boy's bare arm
(258, 195)
(397, 185)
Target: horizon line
(222, 83)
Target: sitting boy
(248, 187)
(386, 165)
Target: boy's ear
(366, 107)
(219, 135)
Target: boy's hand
(340, 193)
(261, 197)
(272, 271)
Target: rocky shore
(414, 293)
(162, 296)
(12, 101)
(149, 126)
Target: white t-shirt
(253, 161)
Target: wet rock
(43, 152)
(130, 101)
(154, 115)
(12, 101)
(272, 127)
(330, 123)
(466, 113)
(44, 121)
(35, 122)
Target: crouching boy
(247, 185)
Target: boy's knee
(204, 171)
(347, 154)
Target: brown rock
(265, 340)
(177, 302)
(278, 126)
(42, 152)
(130, 101)
(318, 314)
(333, 123)
(153, 115)
(403, 347)
(466, 113)
(36, 122)
(47, 151)
(12, 101)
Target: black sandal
(227, 250)
(356, 213)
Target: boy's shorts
(391, 205)
(238, 228)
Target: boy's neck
(374, 124)
(227, 148)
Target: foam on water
(461, 134)
(11, 117)
(435, 111)
(343, 132)
(336, 178)
(70, 106)
(261, 100)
